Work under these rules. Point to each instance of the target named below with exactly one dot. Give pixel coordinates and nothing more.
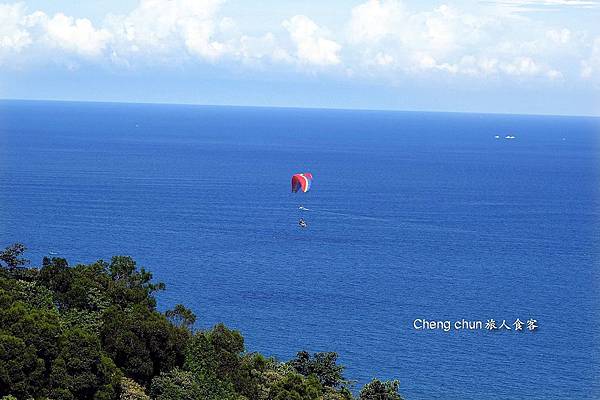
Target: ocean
(412, 216)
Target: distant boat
(52, 253)
(509, 137)
(497, 137)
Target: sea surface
(412, 215)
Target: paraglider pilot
(301, 183)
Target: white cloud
(522, 66)
(311, 45)
(446, 40)
(568, 3)
(382, 39)
(413, 39)
(254, 49)
(75, 35)
(516, 7)
(20, 31)
(374, 20)
(590, 67)
(178, 31)
(554, 74)
(559, 37)
(14, 35)
(383, 59)
(166, 27)
(440, 30)
(482, 66)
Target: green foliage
(378, 390)
(336, 394)
(215, 351)
(20, 368)
(28, 340)
(176, 384)
(142, 342)
(82, 369)
(56, 276)
(214, 358)
(51, 320)
(131, 390)
(293, 386)
(322, 365)
(90, 321)
(251, 380)
(32, 293)
(96, 286)
(37, 327)
(181, 316)
(129, 286)
(11, 258)
(92, 332)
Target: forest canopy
(94, 332)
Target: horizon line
(54, 100)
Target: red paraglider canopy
(301, 182)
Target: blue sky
(513, 56)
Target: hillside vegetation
(94, 332)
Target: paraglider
(302, 183)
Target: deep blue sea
(412, 215)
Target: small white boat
(509, 137)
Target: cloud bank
(379, 39)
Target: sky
(508, 56)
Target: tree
(56, 276)
(175, 385)
(131, 390)
(30, 338)
(82, 369)
(92, 331)
(142, 342)
(251, 380)
(214, 358)
(181, 316)
(129, 286)
(322, 365)
(294, 386)
(21, 370)
(378, 390)
(11, 258)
